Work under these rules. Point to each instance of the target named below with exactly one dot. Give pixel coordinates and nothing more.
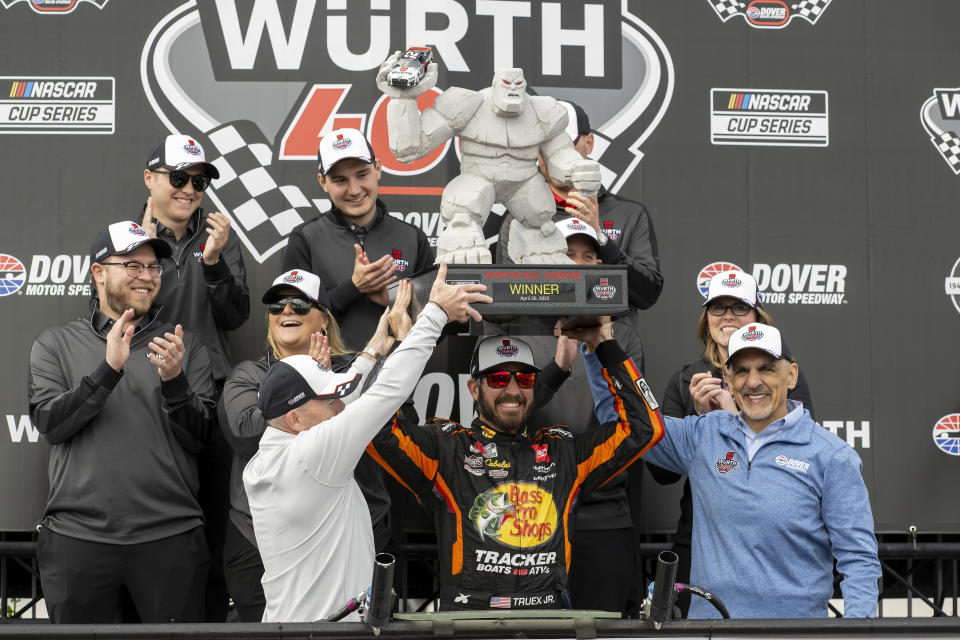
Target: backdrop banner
(812, 143)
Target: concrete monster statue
(502, 131)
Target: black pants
(601, 569)
(242, 569)
(82, 580)
(214, 498)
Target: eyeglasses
(135, 269)
(500, 379)
(179, 179)
(300, 306)
(738, 309)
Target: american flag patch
(500, 602)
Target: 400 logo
(54, 6)
(257, 106)
(62, 275)
(940, 116)
(770, 14)
(520, 515)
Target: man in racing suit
(502, 496)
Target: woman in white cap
(700, 387)
(299, 321)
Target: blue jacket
(765, 531)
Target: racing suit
(502, 503)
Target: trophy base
(531, 299)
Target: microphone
(661, 606)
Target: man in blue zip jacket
(776, 497)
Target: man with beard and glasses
(126, 401)
(776, 497)
(502, 494)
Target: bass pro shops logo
(770, 14)
(940, 116)
(255, 105)
(53, 6)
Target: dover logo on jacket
(256, 107)
(770, 14)
(519, 515)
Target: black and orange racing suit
(502, 504)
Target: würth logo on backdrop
(940, 116)
(265, 58)
(770, 14)
(53, 6)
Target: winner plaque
(529, 299)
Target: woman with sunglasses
(298, 322)
(700, 386)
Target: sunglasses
(179, 179)
(300, 306)
(500, 379)
(738, 309)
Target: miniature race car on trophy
(502, 131)
(411, 67)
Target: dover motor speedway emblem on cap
(770, 14)
(940, 116)
(256, 106)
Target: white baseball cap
(120, 238)
(758, 336)
(734, 284)
(496, 351)
(572, 226)
(341, 144)
(304, 281)
(296, 380)
(176, 152)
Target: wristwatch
(602, 238)
(370, 351)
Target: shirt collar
(794, 413)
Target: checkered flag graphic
(948, 144)
(811, 9)
(266, 212)
(726, 8)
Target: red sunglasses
(500, 379)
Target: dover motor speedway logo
(53, 7)
(59, 275)
(770, 14)
(770, 117)
(940, 116)
(787, 283)
(946, 434)
(282, 73)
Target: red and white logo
(399, 264)
(293, 277)
(612, 232)
(137, 230)
(726, 464)
(706, 274)
(604, 290)
(192, 148)
(540, 453)
(507, 350)
(731, 281)
(342, 143)
(751, 334)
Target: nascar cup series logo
(940, 116)
(263, 68)
(519, 515)
(770, 14)
(58, 104)
(769, 117)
